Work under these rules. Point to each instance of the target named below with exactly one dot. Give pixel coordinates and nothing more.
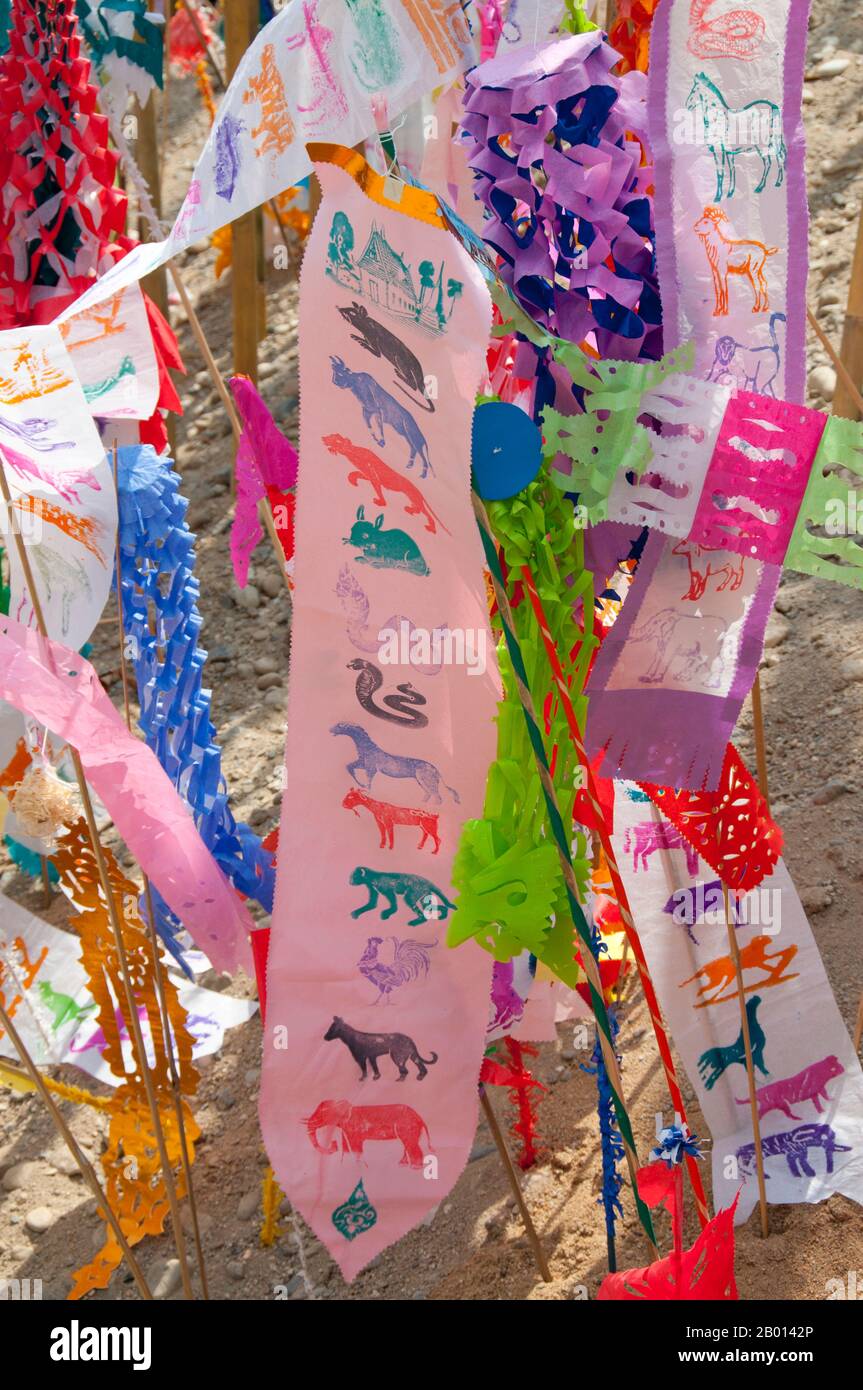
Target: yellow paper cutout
(135, 1187)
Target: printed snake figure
(369, 682)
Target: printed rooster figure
(410, 961)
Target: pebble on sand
(39, 1220)
(19, 1176)
(823, 381)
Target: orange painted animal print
(276, 129)
(371, 469)
(733, 256)
(720, 973)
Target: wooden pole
(46, 882)
(564, 850)
(847, 402)
(760, 740)
(515, 1185)
(261, 274)
(155, 949)
(240, 28)
(206, 352)
(147, 159)
(88, 1173)
(750, 1070)
(858, 1028)
(134, 1021)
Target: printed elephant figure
(360, 1123)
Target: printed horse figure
(720, 973)
(373, 760)
(733, 256)
(732, 130)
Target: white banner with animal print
(44, 989)
(375, 1031)
(809, 1080)
(320, 70)
(725, 101)
(63, 498)
(111, 346)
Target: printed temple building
(381, 276)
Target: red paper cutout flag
(703, 1272)
(731, 827)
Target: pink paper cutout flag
(265, 459)
(375, 1031)
(757, 477)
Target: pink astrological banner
(375, 1031)
(724, 104)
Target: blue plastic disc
(506, 450)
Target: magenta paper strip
(375, 1031)
(122, 771)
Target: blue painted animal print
(381, 409)
(794, 1146)
(372, 760)
(227, 157)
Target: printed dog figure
(387, 817)
(732, 256)
(730, 571)
(366, 1048)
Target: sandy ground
(473, 1246)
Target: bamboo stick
(88, 1173)
(561, 838)
(847, 401)
(155, 950)
(604, 839)
(240, 25)
(515, 1186)
(760, 740)
(750, 1069)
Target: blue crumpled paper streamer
(158, 562)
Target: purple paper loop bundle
(550, 140)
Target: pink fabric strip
(383, 763)
(123, 772)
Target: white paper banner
(310, 75)
(44, 988)
(809, 1080)
(114, 358)
(63, 498)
